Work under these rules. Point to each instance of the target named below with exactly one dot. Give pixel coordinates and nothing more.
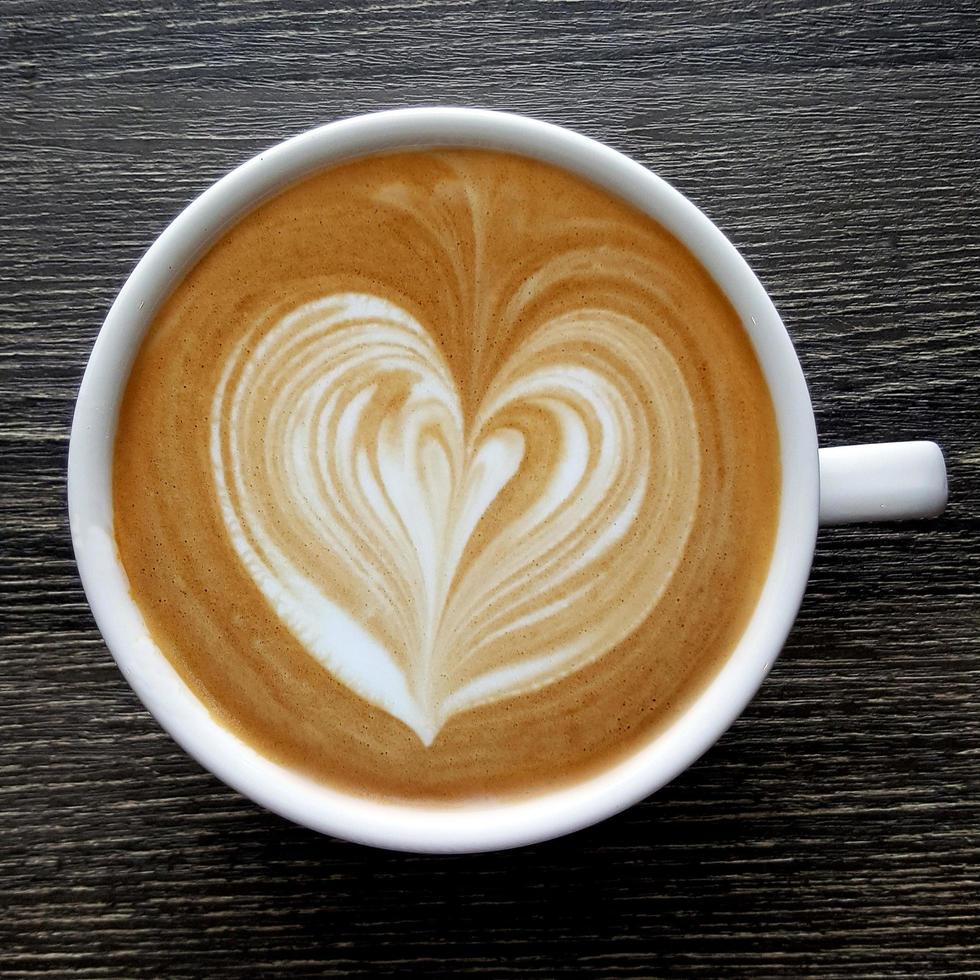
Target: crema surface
(445, 474)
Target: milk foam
(446, 475)
(430, 561)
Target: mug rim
(403, 826)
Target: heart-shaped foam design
(434, 562)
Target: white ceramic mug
(900, 480)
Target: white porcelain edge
(458, 829)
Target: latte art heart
(444, 476)
(433, 560)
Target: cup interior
(459, 828)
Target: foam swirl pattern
(434, 564)
(444, 475)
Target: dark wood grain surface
(833, 832)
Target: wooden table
(834, 830)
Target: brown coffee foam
(381, 226)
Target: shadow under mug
(881, 482)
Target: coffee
(446, 474)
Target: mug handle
(889, 481)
